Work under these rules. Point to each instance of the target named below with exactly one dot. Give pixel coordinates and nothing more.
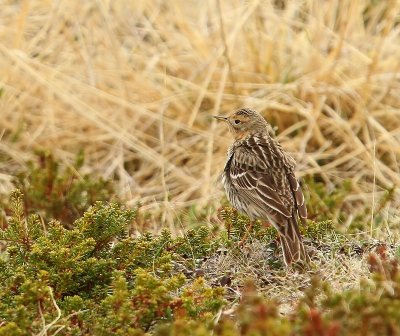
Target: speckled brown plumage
(259, 180)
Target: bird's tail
(292, 243)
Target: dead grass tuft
(340, 264)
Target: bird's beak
(220, 118)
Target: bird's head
(244, 122)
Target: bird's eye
(237, 122)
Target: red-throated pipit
(259, 180)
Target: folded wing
(263, 174)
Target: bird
(259, 180)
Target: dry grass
(341, 270)
(134, 84)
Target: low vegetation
(89, 276)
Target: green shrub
(94, 279)
(239, 227)
(324, 203)
(328, 204)
(56, 192)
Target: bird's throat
(240, 135)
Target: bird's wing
(254, 185)
(299, 197)
(251, 172)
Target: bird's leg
(246, 235)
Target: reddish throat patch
(240, 135)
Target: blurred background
(133, 85)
